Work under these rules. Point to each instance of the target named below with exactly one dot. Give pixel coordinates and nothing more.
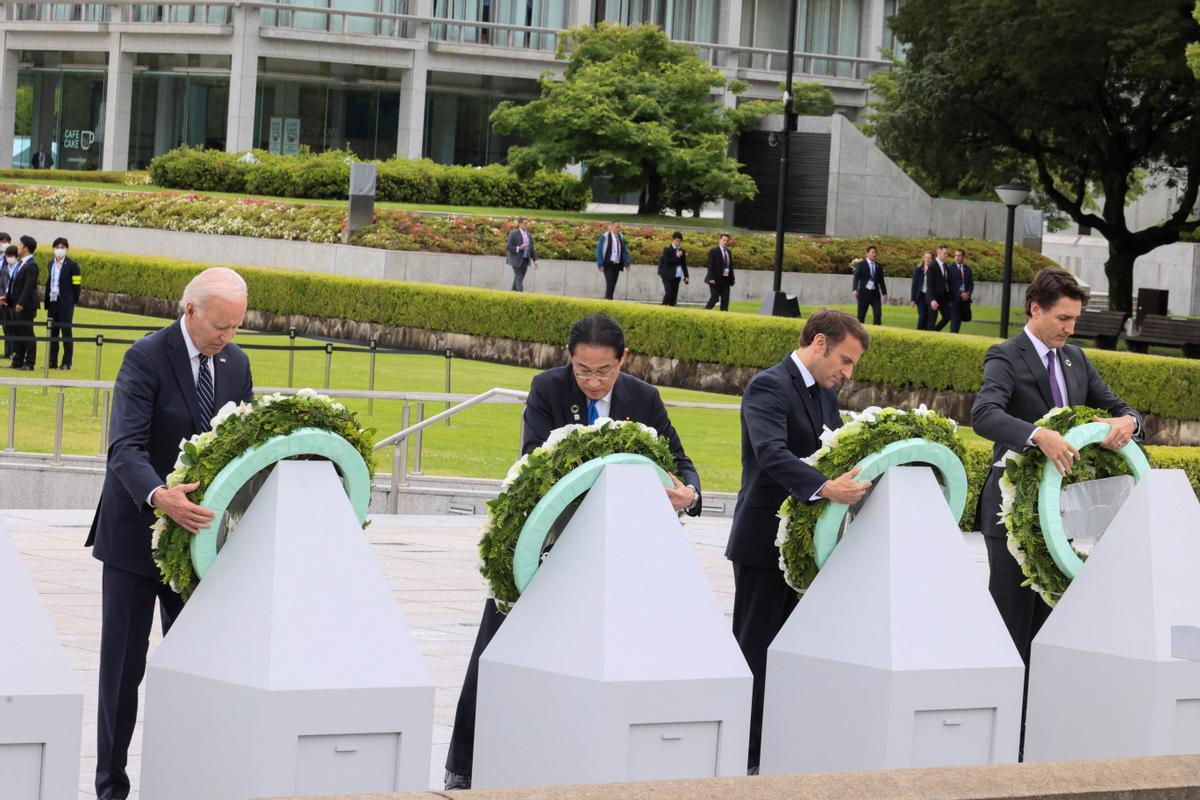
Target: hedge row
(1155, 384)
(134, 178)
(571, 240)
(326, 176)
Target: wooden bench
(1102, 326)
(1167, 332)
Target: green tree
(811, 100)
(1081, 98)
(637, 108)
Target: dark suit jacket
(513, 256)
(154, 406)
(917, 280)
(716, 266)
(668, 262)
(862, 274)
(1016, 393)
(940, 286)
(781, 424)
(555, 400)
(69, 282)
(23, 291)
(964, 280)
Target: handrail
(401, 435)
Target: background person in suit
(520, 253)
(672, 268)
(170, 385)
(869, 286)
(612, 257)
(6, 268)
(964, 289)
(720, 273)
(784, 410)
(941, 290)
(63, 284)
(587, 388)
(1023, 378)
(919, 296)
(22, 298)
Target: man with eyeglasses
(589, 387)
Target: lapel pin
(1067, 361)
(575, 412)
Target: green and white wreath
(880, 438)
(239, 431)
(534, 475)
(1027, 484)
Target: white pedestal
(896, 655)
(41, 705)
(290, 670)
(1103, 680)
(617, 663)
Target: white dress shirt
(809, 380)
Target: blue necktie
(204, 394)
(593, 412)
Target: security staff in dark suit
(63, 285)
(612, 257)
(22, 298)
(919, 296)
(784, 410)
(170, 385)
(869, 286)
(519, 253)
(672, 268)
(941, 290)
(1023, 378)
(591, 386)
(5, 277)
(964, 289)
(720, 275)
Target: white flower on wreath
(781, 537)
(829, 437)
(307, 393)
(514, 472)
(817, 456)
(868, 415)
(600, 423)
(1052, 413)
(1014, 547)
(922, 411)
(649, 431)
(557, 435)
(156, 530)
(226, 411)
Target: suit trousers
(956, 316)
(611, 273)
(461, 755)
(670, 291)
(127, 612)
(5, 317)
(718, 291)
(870, 298)
(762, 602)
(923, 313)
(62, 314)
(944, 309)
(24, 350)
(519, 271)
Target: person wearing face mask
(63, 284)
(22, 298)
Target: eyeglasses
(600, 374)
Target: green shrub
(402, 181)
(200, 170)
(131, 178)
(1169, 387)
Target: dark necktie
(814, 391)
(593, 411)
(1054, 390)
(204, 394)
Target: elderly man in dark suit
(869, 286)
(169, 387)
(63, 285)
(784, 410)
(589, 387)
(1024, 378)
(612, 257)
(520, 253)
(22, 298)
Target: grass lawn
(479, 211)
(985, 322)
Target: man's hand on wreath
(1122, 431)
(175, 504)
(1061, 453)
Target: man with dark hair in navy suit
(587, 388)
(169, 387)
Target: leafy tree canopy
(637, 108)
(1083, 99)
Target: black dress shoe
(25, 367)
(456, 781)
(64, 366)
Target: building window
(524, 13)
(890, 8)
(338, 23)
(60, 110)
(683, 20)
(178, 101)
(328, 106)
(457, 108)
(823, 27)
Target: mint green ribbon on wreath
(1050, 493)
(905, 451)
(356, 479)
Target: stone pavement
(431, 563)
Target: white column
(872, 37)
(410, 135)
(729, 22)
(243, 80)
(581, 12)
(117, 104)
(9, 66)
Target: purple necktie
(1054, 390)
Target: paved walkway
(431, 563)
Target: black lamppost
(1012, 195)
(777, 303)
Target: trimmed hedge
(326, 176)
(1169, 387)
(134, 178)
